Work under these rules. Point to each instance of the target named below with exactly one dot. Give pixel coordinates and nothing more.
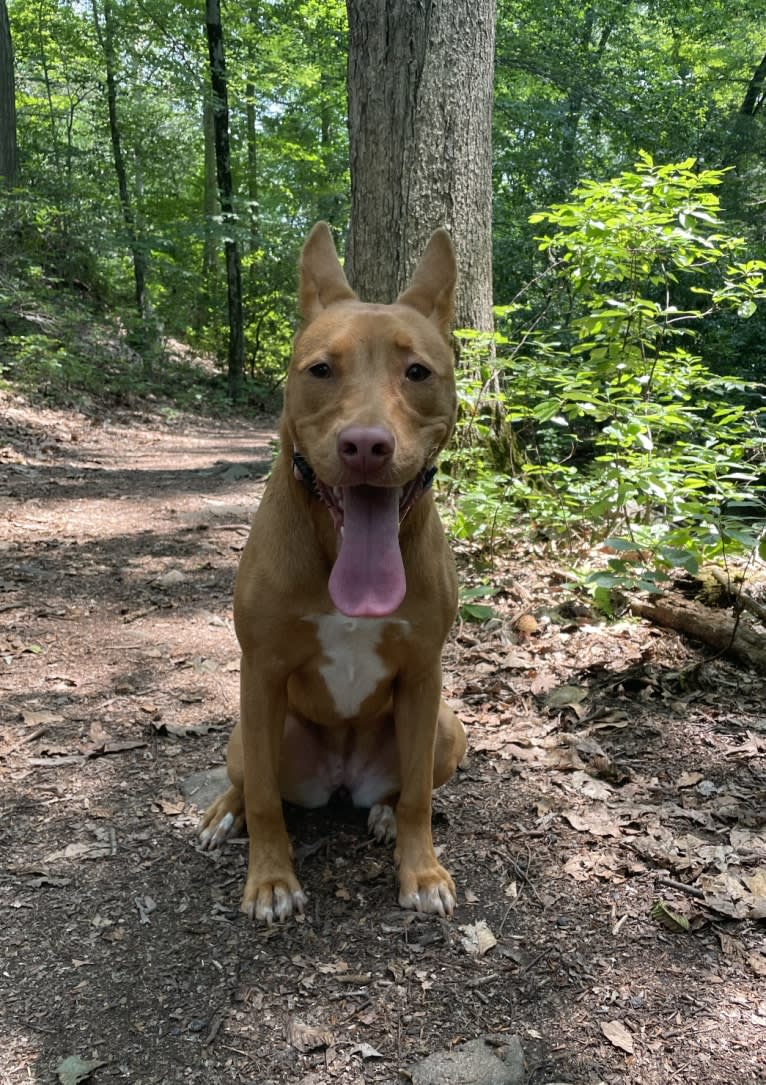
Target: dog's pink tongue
(367, 579)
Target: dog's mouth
(367, 579)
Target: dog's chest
(355, 657)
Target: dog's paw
(432, 891)
(382, 823)
(277, 899)
(225, 818)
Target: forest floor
(612, 795)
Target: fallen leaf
(753, 747)
(170, 807)
(307, 1038)
(117, 745)
(366, 1051)
(671, 920)
(585, 784)
(689, 779)
(756, 883)
(596, 821)
(74, 1069)
(105, 843)
(758, 963)
(516, 661)
(41, 719)
(726, 894)
(566, 697)
(617, 1034)
(542, 682)
(170, 579)
(333, 968)
(478, 939)
(96, 849)
(730, 947)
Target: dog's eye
(321, 371)
(417, 372)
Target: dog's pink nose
(365, 449)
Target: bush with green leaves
(613, 430)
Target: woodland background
(607, 831)
(580, 89)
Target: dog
(347, 589)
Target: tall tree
(420, 115)
(104, 23)
(236, 353)
(8, 151)
(756, 91)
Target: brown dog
(347, 589)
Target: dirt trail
(595, 782)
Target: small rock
(476, 1063)
(202, 788)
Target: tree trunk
(8, 148)
(420, 81)
(48, 91)
(236, 355)
(756, 91)
(209, 209)
(106, 37)
(591, 54)
(252, 181)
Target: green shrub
(612, 430)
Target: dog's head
(369, 403)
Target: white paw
(435, 900)
(280, 904)
(215, 835)
(382, 823)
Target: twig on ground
(682, 887)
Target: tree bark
(105, 35)
(715, 628)
(252, 181)
(236, 354)
(209, 208)
(756, 91)
(8, 145)
(420, 78)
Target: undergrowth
(590, 412)
(67, 349)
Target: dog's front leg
(424, 884)
(271, 890)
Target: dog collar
(304, 472)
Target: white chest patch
(354, 666)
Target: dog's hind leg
(226, 816)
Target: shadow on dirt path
(599, 796)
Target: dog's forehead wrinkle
(359, 330)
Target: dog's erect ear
(322, 281)
(432, 288)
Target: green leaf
(476, 612)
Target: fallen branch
(746, 601)
(681, 887)
(727, 635)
